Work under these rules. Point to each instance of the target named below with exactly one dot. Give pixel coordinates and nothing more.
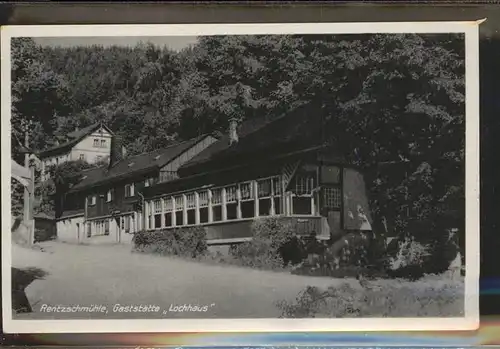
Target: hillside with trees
(387, 99)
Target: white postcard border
(468, 322)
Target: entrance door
(78, 232)
(331, 202)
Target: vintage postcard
(240, 177)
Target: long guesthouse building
(260, 168)
(282, 168)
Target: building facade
(283, 168)
(106, 205)
(261, 168)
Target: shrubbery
(397, 299)
(270, 234)
(186, 242)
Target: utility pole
(26, 215)
(29, 191)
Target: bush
(187, 242)
(397, 299)
(270, 234)
(410, 253)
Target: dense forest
(389, 99)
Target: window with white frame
(203, 203)
(149, 207)
(129, 190)
(302, 193)
(96, 143)
(277, 195)
(168, 211)
(231, 202)
(109, 195)
(247, 202)
(217, 204)
(92, 200)
(148, 182)
(157, 213)
(103, 143)
(82, 157)
(179, 210)
(264, 196)
(191, 208)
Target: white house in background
(92, 144)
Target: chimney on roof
(233, 131)
(117, 151)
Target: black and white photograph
(240, 177)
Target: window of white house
(106, 227)
(203, 203)
(109, 195)
(217, 205)
(264, 196)
(98, 157)
(82, 157)
(167, 202)
(247, 200)
(179, 210)
(129, 190)
(103, 143)
(191, 208)
(231, 202)
(96, 143)
(148, 182)
(92, 200)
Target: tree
(37, 93)
(63, 177)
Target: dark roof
(223, 176)
(72, 139)
(134, 165)
(43, 215)
(285, 133)
(70, 213)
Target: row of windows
(102, 227)
(244, 200)
(98, 158)
(129, 192)
(99, 143)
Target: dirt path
(111, 275)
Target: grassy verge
(429, 297)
